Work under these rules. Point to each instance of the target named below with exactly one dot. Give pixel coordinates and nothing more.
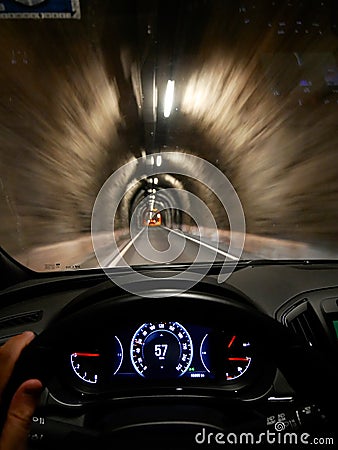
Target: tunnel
(158, 193)
(127, 82)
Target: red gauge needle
(87, 354)
(238, 359)
(232, 341)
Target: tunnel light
(154, 99)
(169, 98)
(158, 160)
(155, 180)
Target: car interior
(169, 187)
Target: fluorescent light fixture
(154, 100)
(169, 98)
(158, 160)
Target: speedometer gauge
(161, 350)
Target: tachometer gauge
(92, 367)
(237, 358)
(86, 366)
(161, 350)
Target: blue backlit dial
(161, 350)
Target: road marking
(210, 247)
(121, 253)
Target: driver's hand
(24, 402)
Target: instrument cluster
(161, 352)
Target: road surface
(153, 245)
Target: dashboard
(127, 363)
(180, 345)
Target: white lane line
(121, 253)
(210, 247)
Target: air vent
(302, 319)
(21, 319)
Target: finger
(17, 426)
(9, 354)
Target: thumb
(17, 426)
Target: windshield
(146, 132)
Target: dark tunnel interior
(249, 86)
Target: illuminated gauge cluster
(164, 351)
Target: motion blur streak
(59, 121)
(256, 94)
(276, 141)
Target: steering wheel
(168, 421)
